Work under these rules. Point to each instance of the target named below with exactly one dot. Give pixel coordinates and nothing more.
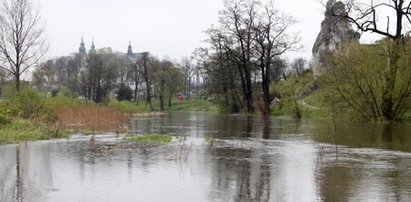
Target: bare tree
(251, 36)
(272, 41)
(298, 65)
(221, 70)
(3, 77)
(101, 74)
(45, 75)
(144, 62)
(237, 21)
(22, 38)
(187, 67)
(134, 69)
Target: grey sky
(172, 28)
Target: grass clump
(149, 138)
(20, 130)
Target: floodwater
(222, 158)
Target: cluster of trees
(103, 72)
(245, 52)
(94, 77)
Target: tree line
(94, 76)
(104, 72)
(243, 58)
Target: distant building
(130, 59)
(83, 53)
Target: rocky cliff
(335, 31)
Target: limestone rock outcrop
(335, 31)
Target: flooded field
(222, 158)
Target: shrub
(28, 102)
(4, 119)
(124, 93)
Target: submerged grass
(149, 138)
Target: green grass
(316, 107)
(127, 106)
(21, 130)
(193, 104)
(149, 138)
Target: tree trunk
(148, 99)
(249, 92)
(17, 76)
(265, 84)
(189, 87)
(148, 87)
(136, 81)
(161, 98)
(390, 78)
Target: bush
(124, 93)
(28, 102)
(4, 119)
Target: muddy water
(243, 158)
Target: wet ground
(222, 158)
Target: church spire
(93, 47)
(82, 48)
(130, 49)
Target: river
(221, 158)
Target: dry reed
(96, 118)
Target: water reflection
(363, 135)
(252, 159)
(19, 187)
(220, 126)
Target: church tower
(82, 48)
(92, 47)
(83, 55)
(130, 49)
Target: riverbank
(21, 130)
(31, 118)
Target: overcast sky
(172, 28)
